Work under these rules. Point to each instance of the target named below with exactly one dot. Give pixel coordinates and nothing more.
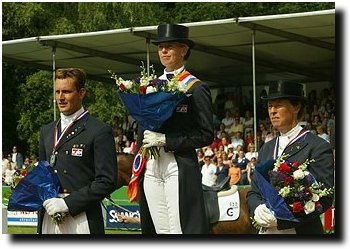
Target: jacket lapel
(73, 131)
(296, 147)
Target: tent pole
(148, 60)
(53, 81)
(254, 90)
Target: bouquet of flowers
(151, 101)
(34, 188)
(289, 190)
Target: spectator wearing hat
(285, 105)
(171, 196)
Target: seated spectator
(227, 120)
(248, 139)
(5, 164)
(251, 152)
(259, 141)
(220, 131)
(237, 139)
(221, 171)
(34, 160)
(208, 151)
(236, 126)
(263, 131)
(127, 147)
(208, 172)
(248, 123)
(250, 168)
(10, 171)
(242, 162)
(235, 174)
(224, 142)
(230, 152)
(236, 151)
(200, 157)
(225, 159)
(271, 135)
(310, 128)
(316, 122)
(321, 133)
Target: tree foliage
(27, 103)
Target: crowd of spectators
(15, 166)
(233, 145)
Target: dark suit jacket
(88, 178)
(190, 127)
(309, 146)
(221, 174)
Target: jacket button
(55, 171)
(65, 171)
(65, 190)
(67, 152)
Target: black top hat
(173, 32)
(285, 90)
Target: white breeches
(161, 186)
(71, 225)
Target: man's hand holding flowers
(56, 208)
(264, 217)
(151, 138)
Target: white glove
(264, 217)
(151, 138)
(55, 205)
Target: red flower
(143, 89)
(284, 168)
(24, 173)
(289, 180)
(295, 164)
(297, 207)
(122, 87)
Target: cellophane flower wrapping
(272, 199)
(37, 186)
(153, 109)
(289, 190)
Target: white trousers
(161, 186)
(71, 225)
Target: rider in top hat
(285, 106)
(171, 196)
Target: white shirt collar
(175, 72)
(66, 120)
(293, 132)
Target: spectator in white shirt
(208, 172)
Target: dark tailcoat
(190, 127)
(88, 178)
(309, 146)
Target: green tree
(35, 105)
(102, 101)
(37, 98)
(27, 104)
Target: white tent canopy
(297, 47)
